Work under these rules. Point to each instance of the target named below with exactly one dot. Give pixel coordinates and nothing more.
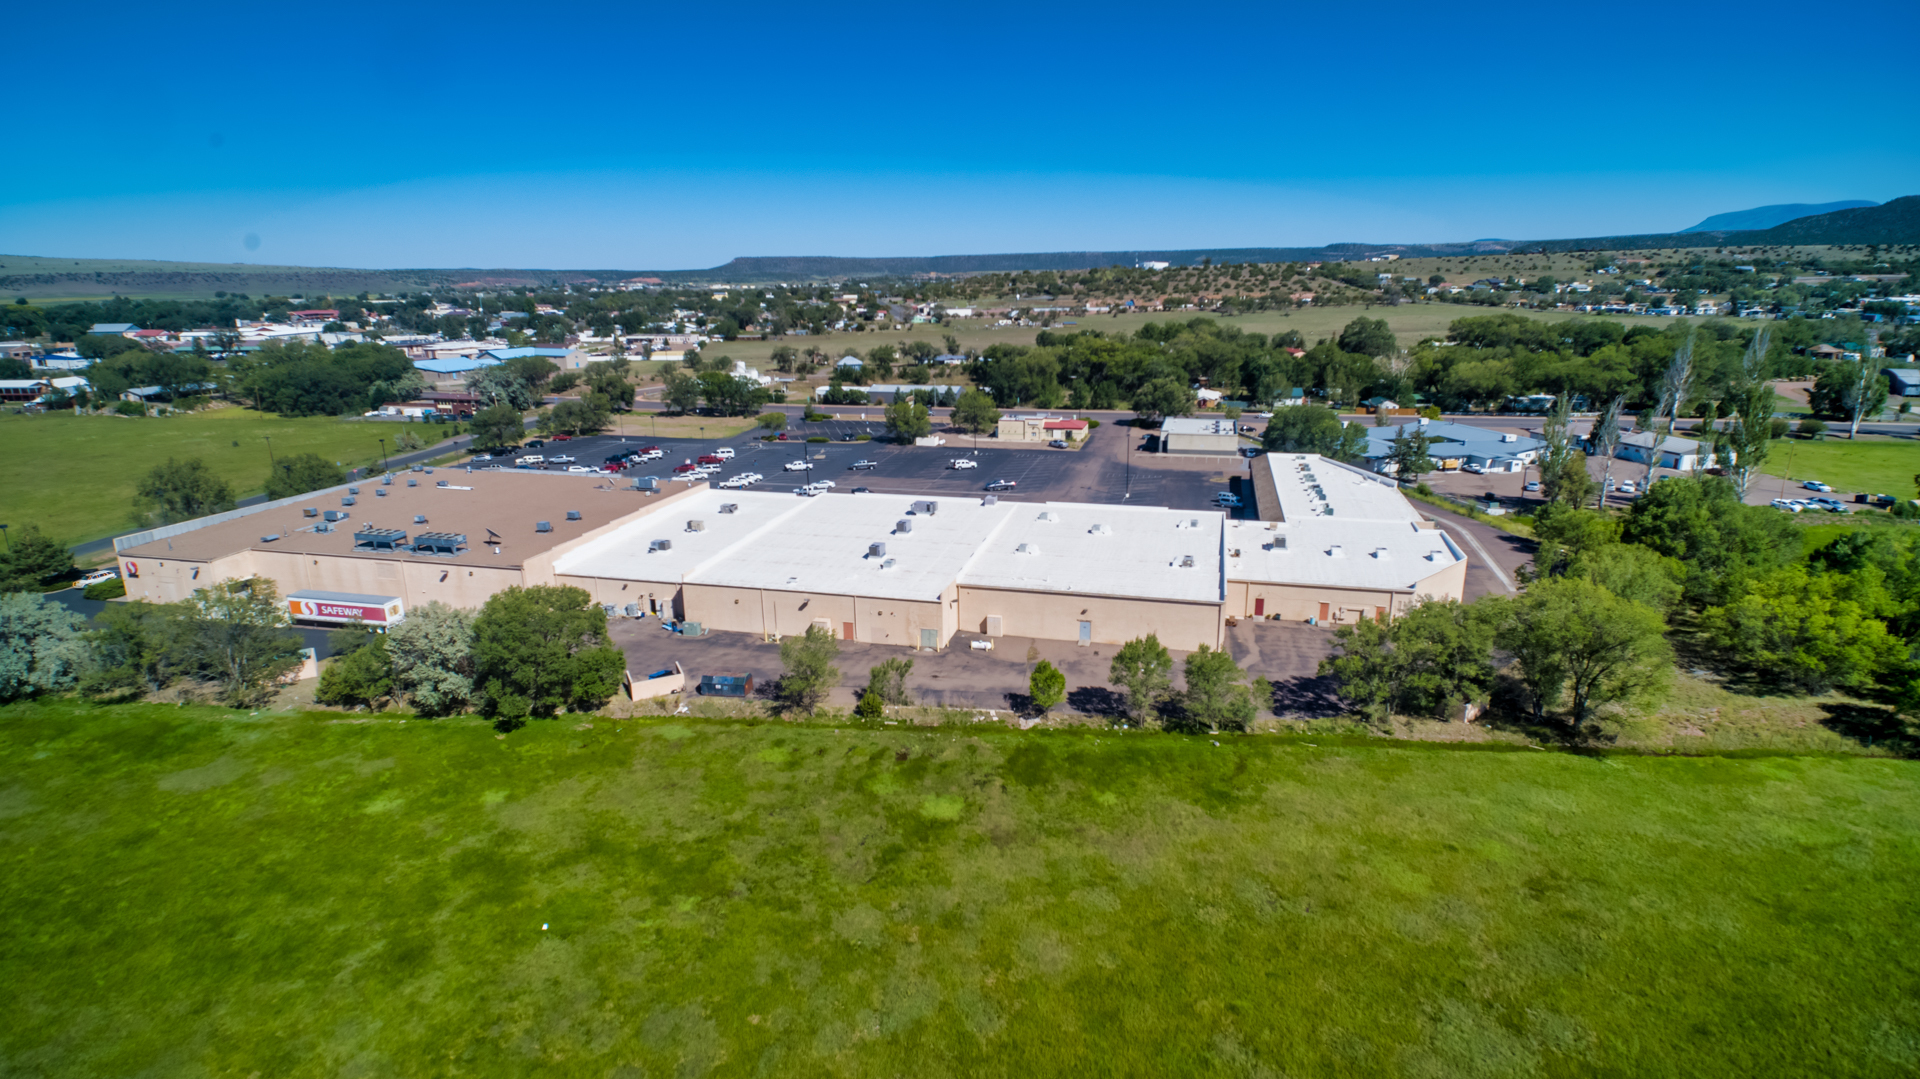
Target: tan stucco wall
(763, 611)
(1299, 602)
(1056, 616)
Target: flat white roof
(1137, 551)
(1308, 486)
(1341, 526)
(625, 553)
(1189, 425)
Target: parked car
(1626, 487)
(1831, 505)
(483, 456)
(581, 468)
(781, 437)
(1532, 485)
(1474, 467)
(797, 466)
(1791, 505)
(535, 443)
(1002, 485)
(96, 577)
(711, 459)
(651, 449)
(1058, 443)
(1226, 499)
(862, 464)
(725, 453)
(860, 491)
(1816, 485)
(825, 484)
(963, 462)
(531, 459)
(687, 466)
(563, 438)
(563, 459)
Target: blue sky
(636, 136)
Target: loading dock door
(1259, 607)
(929, 639)
(1086, 632)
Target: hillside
(1766, 217)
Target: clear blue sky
(641, 136)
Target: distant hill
(1766, 217)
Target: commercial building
(1453, 446)
(1328, 542)
(1040, 427)
(1680, 454)
(1185, 434)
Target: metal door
(1086, 632)
(1259, 607)
(929, 639)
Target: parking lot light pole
(383, 455)
(269, 439)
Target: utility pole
(383, 455)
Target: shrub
(817, 438)
(113, 589)
(1812, 428)
(1091, 424)
(130, 408)
(870, 706)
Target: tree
(540, 649)
(809, 671)
(1701, 523)
(432, 653)
(1046, 687)
(1409, 454)
(1313, 429)
(785, 359)
(361, 676)
(1750, 435)
(298, 473)
(1143, 667)
(1604, 439)
(236, 635)
(888, 680)
(1573, 640)
(908, 420)
(43, 647)
(1368, 337)
(1435, 656)
(1866, 392)
(1160, 398)
(870, 706)
(1673, 392)
(1216, 697)
(680, 391)
(501, 386)
(771, 421)
(1809, 631)
(976, 412)
(586, 414)
(498, 426)
(1563, 468)
(180, 491)
(1366, 668)
(31, 559)
(137, 648)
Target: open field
(75, 475)
(194, 891)
(1873, 464)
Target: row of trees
(528, 652)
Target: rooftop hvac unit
(990, 500)
(573, 515)
(696, 526)
(1026, 548)
(659, 545)
(415, 468)
(323, 527)
(1278, 543)
(380, 492)
(386, 481)
(270, 539)
(1101, 530)
(353, 490)
(1049, 516)
(428, 471)
(346, 500)
(310, 511)
(379, 539)
(888, 564)
(441, 543)
(543, 526)
(419, 518)
(903, 526)
(876, 550)
(1382, 553)
(729, 507)
(926, 508)
(439, 483)
(413, 483)
(1186, 561)
(1336, 551)
(336, 515)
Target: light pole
(383, 455)
(269, 439)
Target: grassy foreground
(75, 475)
(1874, 465)
(201, 892)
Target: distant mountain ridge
(1766, 217)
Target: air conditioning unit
(990, 500)
(269, 539)
(1101, 530)
(336, 515)
(380, 492)
(903, 526)
(696, 526)
(413, 483)
(876, 550)
(543, 526)
(353, 490)
(1186, 561)
(310, 511)
(926, 508)
(659, 545)
(346, 500)
(1026, 548)
(729, 507)
(419, 518)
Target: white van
(725, 453)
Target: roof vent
(876, 550)
(659, 545)
(310, 511)
(1382, 553)
(346, 500)
(696, 526)
(573, 515)
(990, 500)
(1509, 438)
(353, 490)
(729, 507)
(323, 527)
(441, 543)
(419, 518)
(380, 492)
(439, 483)
(1186, 561)
(413, 483)
(543, 526)
(1049, 516)
(429, 471)
(1336, 551)
(270, 539)
(415, 468)
(1027, 548)
(903, 526)
(1101, 530)
(1278, 543)
(888, 564)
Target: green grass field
(1875, 465)
(198, 892)
(75, 475)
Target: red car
(563, 438)
(688, 467)
(712, 459)
(782, 438)
(648, 449)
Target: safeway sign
(373, 610)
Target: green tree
(362, 676)
(908, 420)
(1751, 435)
(870, 706)
(1313, 429)
(1368, 337)
(180, 491)
(1573, 640)
(785, 359)
(1563, 468)
(976, 412)
(583, 415)
(1216, 696)
(540, 649)
(680, 391)
(501, 386)
(236, 635)
(43, 646)
(1409, 454)
(137, 648)
(1702, 523)
(32, 558)
(1046, 687)
(498, 426)
(1144, 668)
(1808, 631)
(432, 653)
(1366, 668)
(771, 421)
(298, 473)
(1160, 398)
(1432, 658)
(889, 681)
(809, 671)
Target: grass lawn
(75, 475)
(194, 891)
(1874, 465)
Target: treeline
(528, 652)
